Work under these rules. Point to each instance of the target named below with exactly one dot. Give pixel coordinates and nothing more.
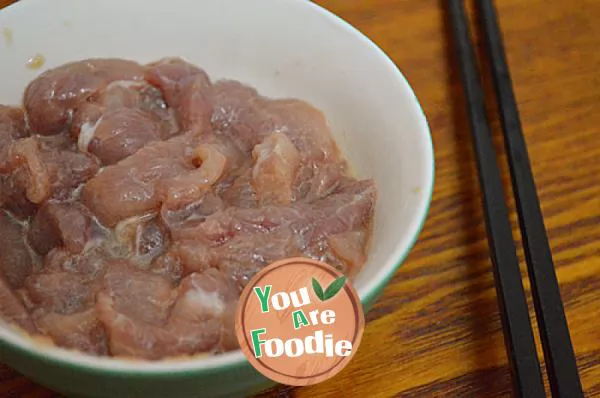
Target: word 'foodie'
(317, 343)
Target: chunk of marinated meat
(318, 180)
(121, 133)
(312, 181)
(203, 296)
(229, 340)
(131, 338)
(13, 310)
(185, 257)
(171, 75)
(187, 89)
(13, 195)
(80, 331)
(51, 99)
(246, 240)
(224, 225)
(276, 161)
(139, 294)
(45, 173)
(304, 125)
(12, 128)
(349, 248)
(23, 296)
(245, 116)
(196, 105)
(201, 312)
(217, 159)
(130, 95)
(60, 292)
(207, 297)
(16, 262)
(12, 122)
(193, 213)
(168, 266)
(58, 259)
(240, 257)
(241, 192)
(144, 237)
(152, 102)
(244, 255)
(60, 224)
(238, 114)
(125, 117)
(129, 188)
(89, 265)
(347, 209)
(190, 186)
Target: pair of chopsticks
(560, 359)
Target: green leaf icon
(318, 289)
(334, 288)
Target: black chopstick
(561, 364)
(514, 314)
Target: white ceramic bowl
(284, 48)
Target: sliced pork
(52, 98)
(138, 201)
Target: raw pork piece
(347, 209)
(311, 181)
(13, 310)
(246, 117)
(130, 338)
(89, 265)
(243, 241)
(51, 99)
(346, 251)
(125, 117)
(187, 89)
(244, 255)
(60, 292)
(342, 211)
(42, 172)
(205, 298)
(16, 262)
(304, 125)
(12, 128)
(80, 331)
(121, 133)
(137, 293)
(238, 114)
(202, 310)
(218, 160)
(129, 188)
(316, 181)
(185, 257)
(311, 157)
(241, 192)
(60, 224)
(192, 213)
(177, 172)
(144, 238)
(276, 161)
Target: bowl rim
(211, 364)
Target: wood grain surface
(436, 331)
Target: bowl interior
(284, 48)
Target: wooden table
(436, 330)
